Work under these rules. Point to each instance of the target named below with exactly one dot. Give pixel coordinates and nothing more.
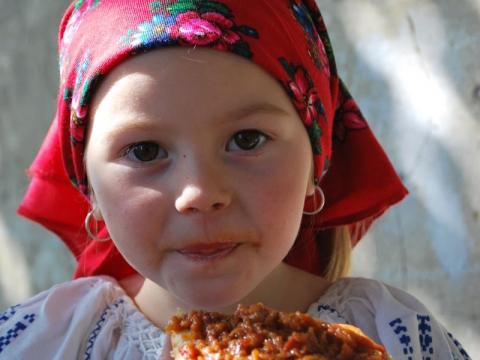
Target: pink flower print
(305, 96)
(204, 29)
(306, 100)
(90, 4)
(352, 118)
(348, 117)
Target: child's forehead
(199, 79)
(194, 63)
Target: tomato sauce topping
(257, 332)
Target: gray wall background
(414, 68)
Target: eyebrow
(262, 107)
(240, 113)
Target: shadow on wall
(462, 37)
(14, 270)
(31, 259)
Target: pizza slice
(256, 332)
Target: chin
(213, 303)
(212, 296)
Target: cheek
(282, 203)
(279, 195)
(133, 214)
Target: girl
(204, 154)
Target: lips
(208, 251)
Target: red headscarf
(287, 38)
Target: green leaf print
(247, 30)
(78, 4)
(315, 134)
(289, 68)
(200, 6)
(67, 94)
(87, 92)
(242, 48)
(214, 6)
(155, 7)
(182, 6)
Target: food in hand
(256, 332)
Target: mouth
(208, 252)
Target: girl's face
(200, 167)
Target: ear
(311, 182)
(310, 188)
(97, 214)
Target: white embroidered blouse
(93, 318)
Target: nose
(203, 191)
(194, 199)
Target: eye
(247, 140)
(145, 151)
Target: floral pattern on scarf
(151, 32)
(199, 23)
(316, 49)
(82, 7)
(79, 99)
(304, 96)
(347, 117)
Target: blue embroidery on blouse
(402, 333)
(7, 314)
(98, 326)
(459, 348)
(329, 309)
(15, 331)
(425, 336)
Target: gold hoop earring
(320, 205)
(89, 232)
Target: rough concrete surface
(414, 68)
